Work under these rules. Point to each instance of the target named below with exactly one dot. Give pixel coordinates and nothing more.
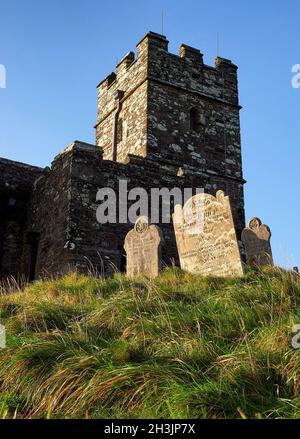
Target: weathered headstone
(143, 249)
(206, 238)
(256, 239)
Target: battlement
(184, 70)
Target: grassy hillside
(180, 346)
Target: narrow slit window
(195, 120)
(120, 130)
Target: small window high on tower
(195, 120)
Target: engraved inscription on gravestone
(143, 249)
(205, 236)
(256, 239)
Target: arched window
(195, 120)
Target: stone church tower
(171, 109)
(164, 121)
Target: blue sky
(55, 52)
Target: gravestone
(143, 249)
(206, 238)
(256, 239)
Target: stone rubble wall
(16, 180)
(92, 245)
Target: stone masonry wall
(97, 246)
(62, 209)
(49, 218)
(130, 78)
(16, 180)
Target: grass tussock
(179, 346)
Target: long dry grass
(179, 346)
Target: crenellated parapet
(187, 69)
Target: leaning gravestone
(206, 238)
(143, 249)
(256, 239)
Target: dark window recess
(33, 242)
(195, 120)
